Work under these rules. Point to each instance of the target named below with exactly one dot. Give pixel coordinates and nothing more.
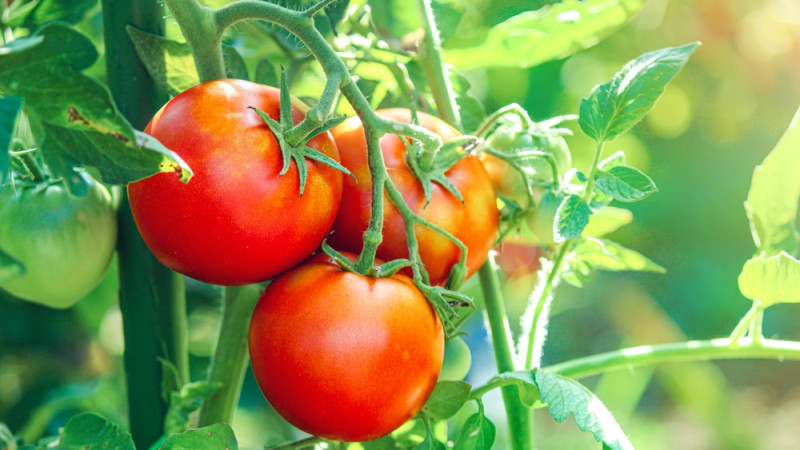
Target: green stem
(430, 58)
(726, 348)
(144, 283)
(520, 429)
(744, 324)
(513, 108)
(230, 359)
(598, 150)
(171, 312)
(203, 36)
(541, 302)
(25, 157)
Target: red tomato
(345, 356)
(236, 221)
(474, 222)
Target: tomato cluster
(329, 347)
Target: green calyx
(431, 167)
(297, 149)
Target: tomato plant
(238, 220)
(64, 241)
(342, 355)
(474, 221)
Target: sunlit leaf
(615, 106)
(447, 398)
(554, 31)
(90, 431)
(528, 390)
(34, 14)
(571, 218)
(214, 437)
(81, 121)
(564, 396)
(604, 254)
(625, 184)
(772, 201)
(168, 62)
(477, 433)
(771, 279)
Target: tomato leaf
(266, 74)
(88, 431)
(81, 122)
(552, 32)
(169, 63)
(625, 184)
(184, 402)
(32, 15)
(591, 254)
(771, 279)
(335, 12)
(528, 390)
(9, 110)
(477, 433)
(564, 396)
(772, 201)
(7, 439)
(615, 106)
(447, 398)
(572, 217)
(214, 437)
(235, 66)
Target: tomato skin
(474, 223)
(65, 242)
(236, 221)
(344, 356)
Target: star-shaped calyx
(299, 151)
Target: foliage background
(715, 122)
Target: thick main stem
(430, 57)
(520, 425)
(144, 284)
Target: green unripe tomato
(457, 360)
(511, 141)
(541, 219)
(65, 242)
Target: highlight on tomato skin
(344, 356)
(237, 221)
(474, 222)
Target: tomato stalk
(647, 355)
(230, 358)
(197, 23)
(151, 296)
(519, 417)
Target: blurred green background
(715, 122)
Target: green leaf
(9, 110)
(430, 443)
(528, 390)
(447, 18)
(564, 396)
(184, 402)
(772, 201)
(606, 220)
(615, 106)
(604, 254)
(34, 14)
(625, 184)
(81, 122)
(477, 433)
(447, 398)
(771, 279)
(572, 217)
(89, 431)
(214, 437)
(616, 159)
(235, 66)
(552, 32)
(335, 12)
(169, 63)
(266, 74)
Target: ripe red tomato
(236, 221)
(474, 222)
(345, 356)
